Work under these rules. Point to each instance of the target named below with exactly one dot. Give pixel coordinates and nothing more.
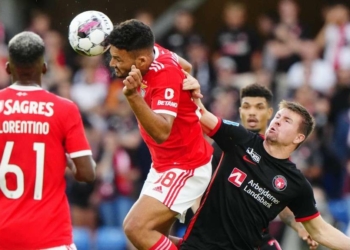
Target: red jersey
(186, 147)
(37, 128)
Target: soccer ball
(88, 32)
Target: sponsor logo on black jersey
(245, 157)
(279, 183)
(237, 177)
(254, 155)
(236, 124)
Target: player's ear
(44, 69)
(299, 138)
(142, 62)
(8, 69)
(270, 112)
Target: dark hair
(308, 123)
(26, 48)
(131, 35)
(257, 90)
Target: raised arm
(158, 126)
(327, 235)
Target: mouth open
(252, 122)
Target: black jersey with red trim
(248, 190)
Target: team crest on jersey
(143, 88)
(279, 182)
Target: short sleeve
(76, 144)
(166, 91)
(304, 205)
(230, 133)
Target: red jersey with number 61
(37, 128)
(186, 147)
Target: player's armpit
(85, 168)
(326, 235)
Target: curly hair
(26, 48)
(131, 35)
(256, 90)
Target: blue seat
(110, 238)
(81, 238)
(113, 212)
(180, 232)
(339, 209)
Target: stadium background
(123, 159)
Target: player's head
(131, 44)
(291, 125)
(26, 58)
(255, 110)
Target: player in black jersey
(255, 112)
(254, 182)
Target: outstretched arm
(288, 218)
(327, 235)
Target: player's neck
(277, 151)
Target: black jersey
(248, 190)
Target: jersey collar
(24, 88)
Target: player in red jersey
(37, 130)
(169, 124)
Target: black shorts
(269, 243)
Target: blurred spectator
(334, 37)
(280, 52)
(116, 177)
(40, 22)
(340, 101)
(312, 70)
(225, 103)
(183, 32)
(90, 89)
(144, 16)
(55, 58)
(266, 23)
(202, 68)
(309, 159)
(235, 40)
(226, 71)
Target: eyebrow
(285, 117)
(254, 104)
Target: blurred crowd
(279, 52)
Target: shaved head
(26, 49)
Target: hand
(132, 82)
(305, 236)
(191, 83)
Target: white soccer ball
(88, 32)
